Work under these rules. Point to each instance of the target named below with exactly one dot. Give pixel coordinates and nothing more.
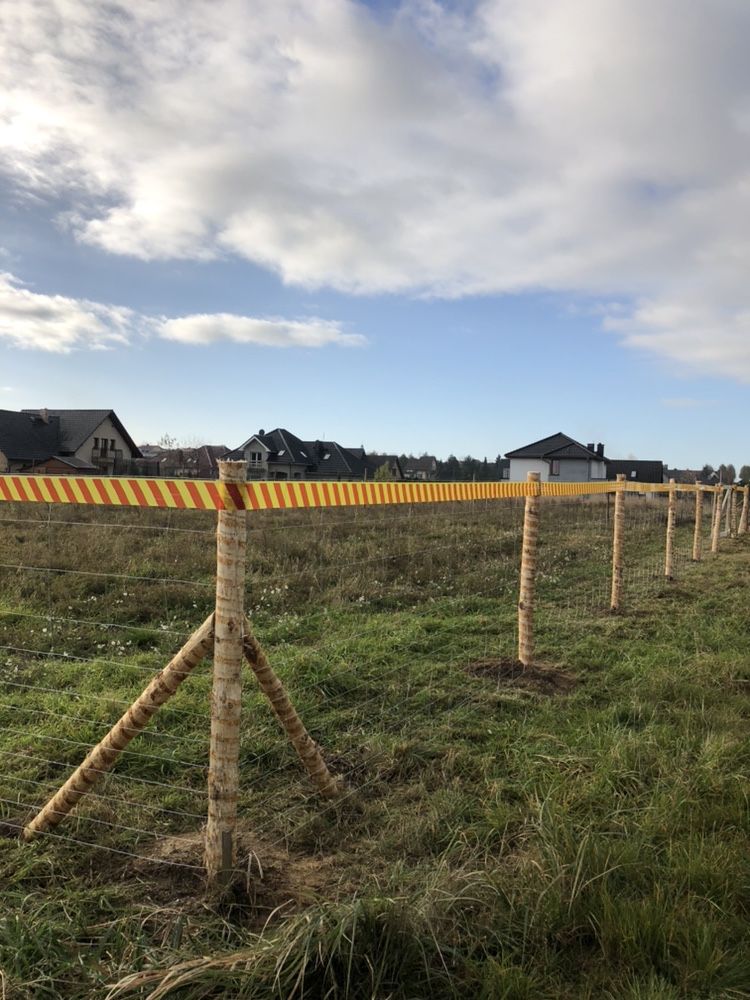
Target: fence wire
(368, 615)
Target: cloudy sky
(414, 225)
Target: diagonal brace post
(306, 747)
(104, 755)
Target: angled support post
(716, 524)
(306, 747)
(104, 755)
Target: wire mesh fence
(367, 614)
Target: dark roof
(74, 463)
(26, 437)
(333, 460)
(78, 425)
(636, 470)
(425, 463)
(555, 446)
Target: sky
(416, 226)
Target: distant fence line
(227, 631)
(208, 494)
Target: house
(636, 471)
(423, 468)
(63, 442)
(558, 458)
(392, 462)
(279, 454)
(691, 476)
(195, 463)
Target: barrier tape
(203, 494)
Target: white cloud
(57, 323)
(595, 147)
(37, 321)
(271, 332)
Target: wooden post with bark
(528, 571)
(671, 516)
(104, 755)
(733, 511)
(698, 532)
(716, 525)
(742, 530)
(617, 544)
(226, 696)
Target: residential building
(279, 454)
(63, 441)
(636, 471)
(423, 468)
(393, 463)
(190, 463)
(558, 458)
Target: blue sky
(427, 227)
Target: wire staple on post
(105, 753)
(528, 571)
(226, 695)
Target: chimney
(590, 446)
(600, 450)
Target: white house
(558, 458)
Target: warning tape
(206, 494)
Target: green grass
(494, 840)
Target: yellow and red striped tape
(202, 494)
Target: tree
(383, 473)
(707, 471)
(745, 475)
(167, 441)
(731, 473)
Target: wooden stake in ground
(617, 544)
(742, 530)
(698, 532)
(671, 516)
(105, 753)
(528, 572)
(306, 747)
(716, 525)
(733, 511)
(226, 696)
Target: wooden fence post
(671, 515)
(617, 540)
(716, 525)
(733, 511)
(104, 755)
(528, 571)
(742, 530)
(698, 532)
(226, 696)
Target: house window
(112, 444)
(96, 442)
(554, 467)
(256, 457)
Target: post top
(231, 471)
(620, 477)
(672, 481)
(532, 477)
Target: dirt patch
(267, 877)
(513, 674)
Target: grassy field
(576, 831)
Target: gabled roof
(636, 470)
(26, 437)
(282, 445)
(76, 426)
(425, 463)
(332, 460)
(555, 446)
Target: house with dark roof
(279, 454)
(390, 462)
(558, 458)
(635, 470)
(63, 441)
(189, 463)
(423, 468)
